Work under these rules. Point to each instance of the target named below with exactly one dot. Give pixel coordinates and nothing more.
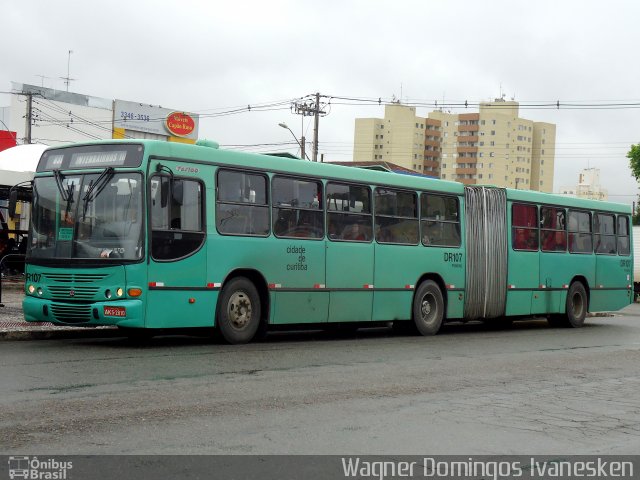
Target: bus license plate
(115, 312)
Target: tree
(634, 161)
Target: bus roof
(209, 153)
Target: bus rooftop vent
(207, 143)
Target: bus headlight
(31, 289)
(119, 292)
(39, 290)
(107, 293)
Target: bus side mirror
(13, 202)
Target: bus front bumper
(122, 313)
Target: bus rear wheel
(239, 311)
(428, 308)
(576, 308)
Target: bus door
(523, 277)
(349, 252)
(554, 261)
(613, 272)
(177, 260)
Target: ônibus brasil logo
(35, 469)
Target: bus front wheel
(428, 308)
(239, 311)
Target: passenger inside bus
(525, 239)
(354, 232)
(554, 241)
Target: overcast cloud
(204, 57)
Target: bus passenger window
(349, 213)
(579, 230)
(396, 217)
(623, 235)
(297, 209)
(524, 222)
(440, 220)
(242, 207)
(553, 229)
(604, 237)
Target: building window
(493, 132)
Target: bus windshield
(87, 216)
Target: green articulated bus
(151, 236)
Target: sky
(211, 57)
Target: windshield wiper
(98, 186)
(58, 176)
(67, 195)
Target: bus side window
(524, 222)
(297, 208)
(579, 230)
(182, 212)
(349, 213)
(623, 235)
(440, 220)
(242, 206)
(396, 217)
(604, 234)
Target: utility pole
(308, 106)
(27, 129)
(316, 123)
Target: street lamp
(303, 154)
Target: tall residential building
(588, 186)
(494, 146)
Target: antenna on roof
(67, 79)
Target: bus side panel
(300, 265)
(554, 270)
(522, 280)
(349, 272)
(610, 290)
(291, 267)
(400, 266)
(183, 301)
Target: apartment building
(588, 186)
(493, 146)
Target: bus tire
(576, 308)
(428, 308)
(577, 305)
(239, 311)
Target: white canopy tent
(17, 164)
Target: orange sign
(180, 124)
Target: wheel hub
(239, 310)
